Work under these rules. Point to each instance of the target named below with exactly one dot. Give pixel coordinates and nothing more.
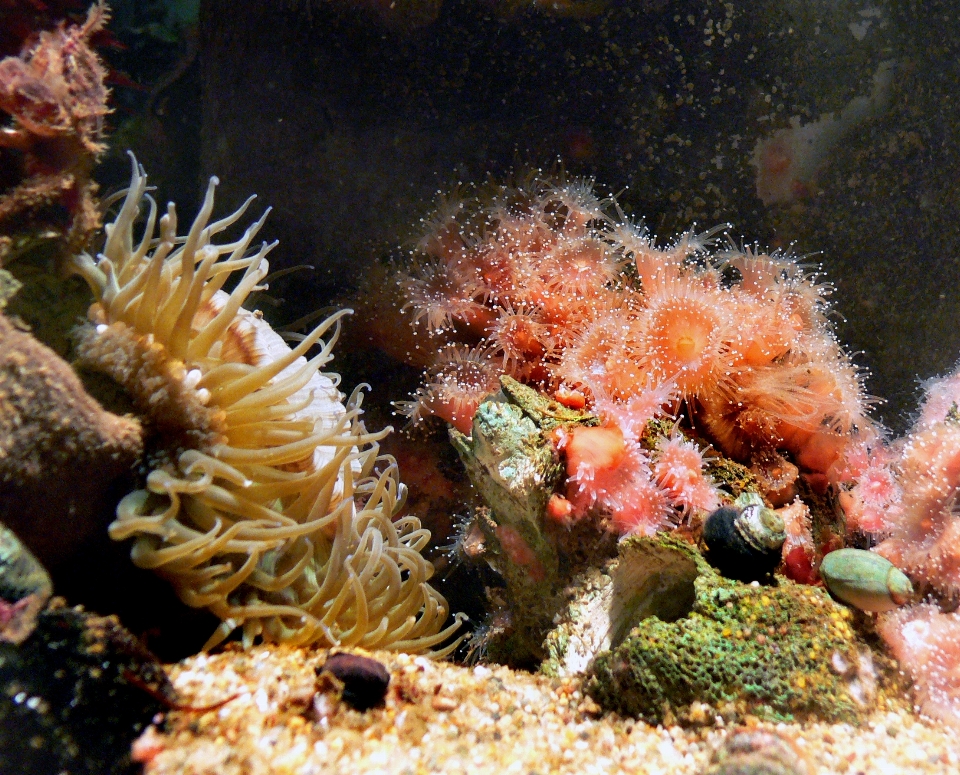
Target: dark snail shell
(364, 679)
(744, 541)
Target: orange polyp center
(595, 448)
(572, 399)
(686, 348)
(526, 341)
(680, 334)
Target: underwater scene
(488, 386)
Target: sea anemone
(266, 501)
(455, 385)
(925, 532)
(654, 265)
(577, 267)
(440, 298)
(523, 338)
(612, 475)
(940, 400)
(678, 470)
(583, 302)
(809, 403)
(925, 641)
(605, 357)
(632, 415)
(875, 502)
(687, 331)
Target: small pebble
(365, 680)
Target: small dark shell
(364, 679)
(758, 752)
(744, 541)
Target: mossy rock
(779, 652)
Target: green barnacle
(865, 580)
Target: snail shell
(744, 541)
(865, 580)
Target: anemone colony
(906, 497)
(266, 501)
(556, 288)
(910, 497)
(906, 493)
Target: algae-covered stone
(515, 467)
(778, 652)
(647, 578)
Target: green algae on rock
(778, 652)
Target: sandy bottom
(439, 717)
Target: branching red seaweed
(54, 99)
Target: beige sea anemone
(266, 501)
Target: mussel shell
(25, 587)
(865, 580)
(744, 541)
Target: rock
(648, 578)
(60, 451)
(25, 588)
(75, 694)
(767, 651)
(515, 468)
